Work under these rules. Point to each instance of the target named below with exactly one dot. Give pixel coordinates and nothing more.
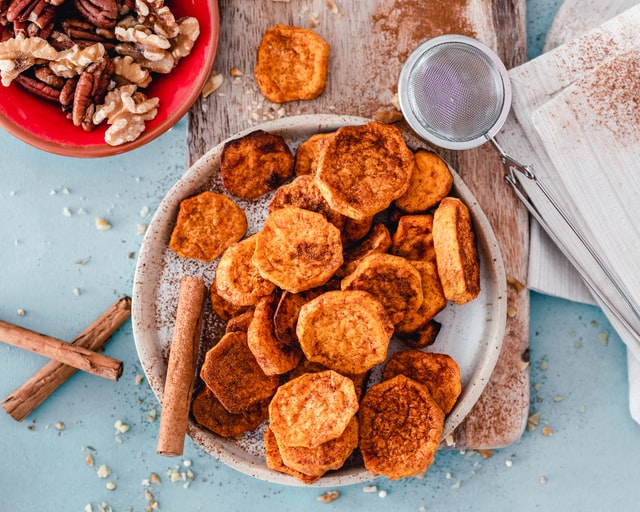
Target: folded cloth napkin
(575, 117)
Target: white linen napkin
(575, 118)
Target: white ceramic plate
(472, 334)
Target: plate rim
(179, 190)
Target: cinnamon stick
(53, 348)
(45, 381)
(181, 367)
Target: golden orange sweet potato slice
(433, 299)
(304, 193)
(439, 372)
(274, 356)
(312, 409)
(291, 64)
(232, 373)
(456, 253)
(297, 249)
(377, 241)
(308, 153)
(254, 164)
(362, 169)
(306, 366)
(324, 457)
(209, 412)
(240, 322)
(413, 238)
(207, 224)
(221, 307)
(237, 280)
(431, 181)
(347, 331)
(354, 231)
(274, 460)
(392, 280)
(400, 428)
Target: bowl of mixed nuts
(94, 78)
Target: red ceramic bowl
(42, 124)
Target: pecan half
(38, 87)
(90, 89)
(102, 13)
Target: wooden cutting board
(370, 40)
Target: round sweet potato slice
(232, 373)
(392, 280)
(431, 181)
(312, 409)
(297, 249)
(237, 279)
(255, 164)
(207, 224)
(347, 331)
(363, 169)
(400, 428)
(439, 372)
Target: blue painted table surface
(581, 456)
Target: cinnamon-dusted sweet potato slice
(363, 169)
(377, 241)
(431, 181)
(308, 153)
(207, 224)
(392, 280)
(347, 331)
(240, 322)
(413, 238)
(274, 460)
(433, 299)
(306, 366)
(254, 164)
(304, 193)
(232, 373)
(237, 280)
(221, 307)
(297, 249)
(324, 457)
(456, 253)
(439, 372)
(400, 428)
(291, 64)
(285, 317)
(274, 356)
(354, 230)
(312, 409)
(209, 412)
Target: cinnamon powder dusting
(613, 94)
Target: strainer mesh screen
(456, 92)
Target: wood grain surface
(370, 40)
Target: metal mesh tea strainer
(455, 92)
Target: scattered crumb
(387, 116)
(212, 84)
(144, 212)
(516, 284)
(370, 488)
(59, 425)
(141, 229)
(543, 480)
(486, 454)
(111, 486)
(82, 261)
(152, 416)
(21, 312)
(121, 427)
(456, 485)
(449, 440)
(603, 338)
(544, 365)
(103, 471)
(533, 421)
(558, 398)
(523, 365)
(154, 478)
(66, 212)
(139, 379)
(186, 463)
(88, 458)
(511, 311)
(76, 292)
(382, 494)
(82, 211)
(508, 463)
(102, 224)
(332, 7)
(328, 496)
(547, 431)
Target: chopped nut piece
(235, 72)
(328, 496)
(547, 431)
(103, 471)
(511, 311)
(21, 312)
(121, 427)
(111, 486)
(59, 425)
(533, 421)
(72, 62)
(88, 458)
(388, 116)
(516, 284)
(139, 379)
(603, 337)
(102, 224)
(154, 478)
(212, 84)
(20, 53)
(370, 488)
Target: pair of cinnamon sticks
(81, 354)
(66, 358)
